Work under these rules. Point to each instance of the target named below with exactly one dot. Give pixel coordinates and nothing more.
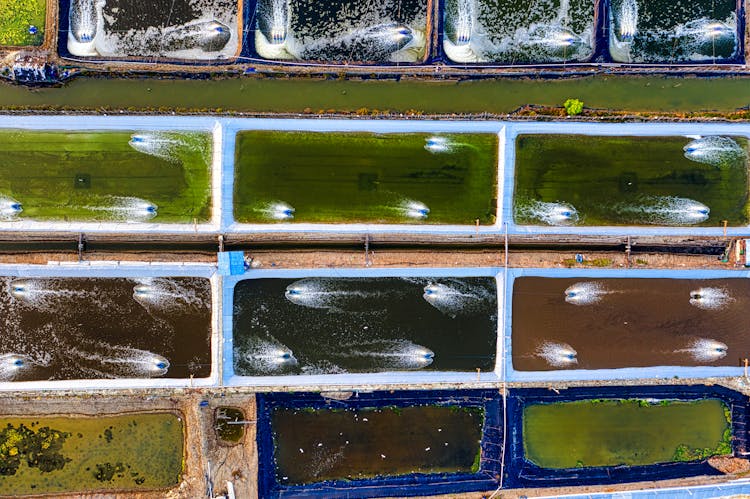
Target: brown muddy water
(90, 328)
(584, 323)
(328, 444)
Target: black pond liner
(521, 473)
(415, 484)
(62, 44)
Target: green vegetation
(596, 262)
(612, 432)
(51, 455)
(98, 176)
(17, 16)
(476, 465)
(573, 107)
(366, 177)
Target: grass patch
(16, 16)
(596, 262)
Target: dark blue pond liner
(414, 484)
(62, 43)
(522, 473)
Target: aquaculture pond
(589, 323)
(105, 176)
(22, 22)
(342, 30)
(176, 29)
(605, 432)
(77, 454)
(365, 177)
(598, 180)
(673, 30)
(313, 445)
(326, 325)
(96, 328)
(519, 31)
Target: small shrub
(573, 107)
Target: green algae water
(76, 454)
(313, 445)
(365, 177)
(624, 432)
(597, 180)
(104, 176)
(496, 95)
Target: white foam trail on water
(703, 30)
(585, 293)
(126, 362)
(414, 209)
(665, 210)
(706, 350)
(316, 292)
(276, 210)
(456, 298)
(125, 209)
(559, 214)
(716, 151)
(163, 145)
(389, 354)
(13, 366)
(710, 298)
(628, 20)
(9, 208)
(268, 356)
(44, 293)
(206, 35)
(557, 354)
(169, 295)
(437, 144)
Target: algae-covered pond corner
(630, 432)
(115, 176)
(22, 22)
(77, 454)
(339, 177)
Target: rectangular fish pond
(519, 31)
(359, 177)
(342, 31)
(130, 327)
(193, 30)
(79, 454)
(587, 180)
(105, 176)
(601, 435)
(574, 319)
(372, 444)
(675, 31)
(22, 22)
(375, 323)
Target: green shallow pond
(630, 180)
(497, 95)
(624, 432)
(98, 176)
(46, 455)
(365, 177)
(313, 445)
